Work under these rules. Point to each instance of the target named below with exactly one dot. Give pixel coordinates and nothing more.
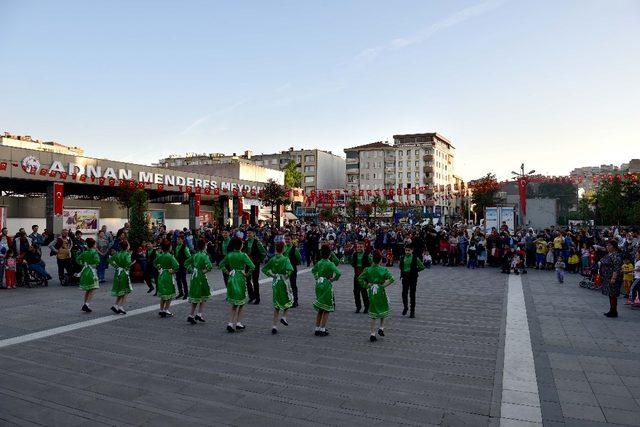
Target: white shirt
(636, 274)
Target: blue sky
(552, 83)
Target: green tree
(379, 204)
(273, 195)
(292, 176)
(352, 207)
(484, 193)
(618, 202)
(328, 214)
(138, 219)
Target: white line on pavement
(520, 400)
(100, 320)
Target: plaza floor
(59, 366)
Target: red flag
(58, 198)
(196, 204)
(522, 191)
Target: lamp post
(522, 178)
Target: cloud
(205, 118)
(370, 54)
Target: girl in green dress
(199, 291)
(89, 260)
(166, 286)
(279, 268)
(238, 266)
(325, 272)
(374, 279)
(121, 262)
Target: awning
(290, 216)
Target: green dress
(234, 265)
(323, 271)
(199, 264)
(279, 268)
(88, 259)
(166, 264)
(121, 262)
(371, 279)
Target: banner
(155, 217)
(58, 198)
(522, 192)
(85, 220)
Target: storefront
(59, 191)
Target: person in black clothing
(410, 265)
(360, 261)
(182, 253)
(313, 238)
(256, 252)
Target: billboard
(494, 217)
(85, 220)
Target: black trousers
(65, 265)
(225, 279)
(312, 254)
(409, 292)
(360, 293)
(253, 285)
(181, 281)
(293, 279)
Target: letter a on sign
(58, 198)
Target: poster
(85, 220)
(491, 219)
(206, 217)
(508, 216)
(3, 217)
(155, 217)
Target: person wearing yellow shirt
(541, 253)
(627, 276)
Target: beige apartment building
(25, 141)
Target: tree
(484, 193)
(138, 219)
(292, 176)
(352, 207)
(273, 195)
(618, 202)
(379, 204)
(328, 214)
(124, 196)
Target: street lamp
(523, 181)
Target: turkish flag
(240, 206)
(58, 198)
(522, 191)
(196, 204)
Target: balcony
(353, 160)
(428, 169)
(428, 157)
(353, 171)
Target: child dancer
(199, 291)
(166, 285)
(89, 260)
(375, 279)
(10, 270)
(325, 272)
(121, 262)
(234, 264)
(279, 268)
(410, 267)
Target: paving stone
(620, 416)
(582, 412)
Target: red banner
(196, 204)
(58, 198)
(522, 191)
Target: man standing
(291, 251)
(256, 252)
(182, 253)
(35, 237)
(359, 262)
(313, 238)
(410, 266)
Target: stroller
(591, 278)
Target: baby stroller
(591, 278)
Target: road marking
(520, 399)
(100, 320)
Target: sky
(553, 84)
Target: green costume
(279, 268)
(296, 253)
(199, 264)
(334, 259)
(234, 265)
(324, 271)
(371, 279)
(405, 264)
(121, 262)
(166, 264)
(88, 259)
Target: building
(413, 161)
(321, 170)
(587, 172)
(370, 166)
(19, 141)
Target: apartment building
(26, 142)
(321, 170)
(412, 161)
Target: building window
(308, 179)
(416, 164)
(374, 176)
(417, 174)
(408, 153)
(417, 153)
(400, 151)
(309, 159)
(400, 163)
(408, 175)
(362, 176)
(309, 168)
(274, 161)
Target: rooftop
(370, 146)
(431, 135)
